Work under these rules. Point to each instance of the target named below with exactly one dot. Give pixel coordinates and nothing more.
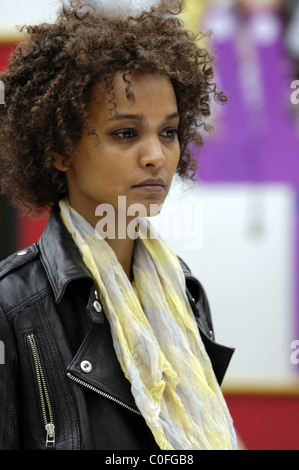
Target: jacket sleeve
(9, 389)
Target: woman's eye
(125, 134)
(169, 133)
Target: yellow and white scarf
(156, 339)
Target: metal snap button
(22, 253)
(86, 366)
(97, 306)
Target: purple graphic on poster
(255, 137)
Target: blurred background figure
(255, 136)
(291, 12)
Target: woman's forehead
(131, 91)
(125, 85)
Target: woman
(105, 344)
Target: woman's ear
(60, 162)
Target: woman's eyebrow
(139, 117)
(172, 116)
(119, 117)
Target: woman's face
(137, 150)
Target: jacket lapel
(96, 365)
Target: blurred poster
(248, 176)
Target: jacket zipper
(46, 407)
(104, 394)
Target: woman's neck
(124, 250)
(114, 230)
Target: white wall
(19, 12)
(243, 253)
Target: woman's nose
(151, 153)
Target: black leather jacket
(61, 385)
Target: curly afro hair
(51, 74)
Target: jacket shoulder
(198, 301)
(22, 278)
(194, 287)
(17, 260)
(219, 355)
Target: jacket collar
(60, 256)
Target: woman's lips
(154, 188)
(151, 185)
